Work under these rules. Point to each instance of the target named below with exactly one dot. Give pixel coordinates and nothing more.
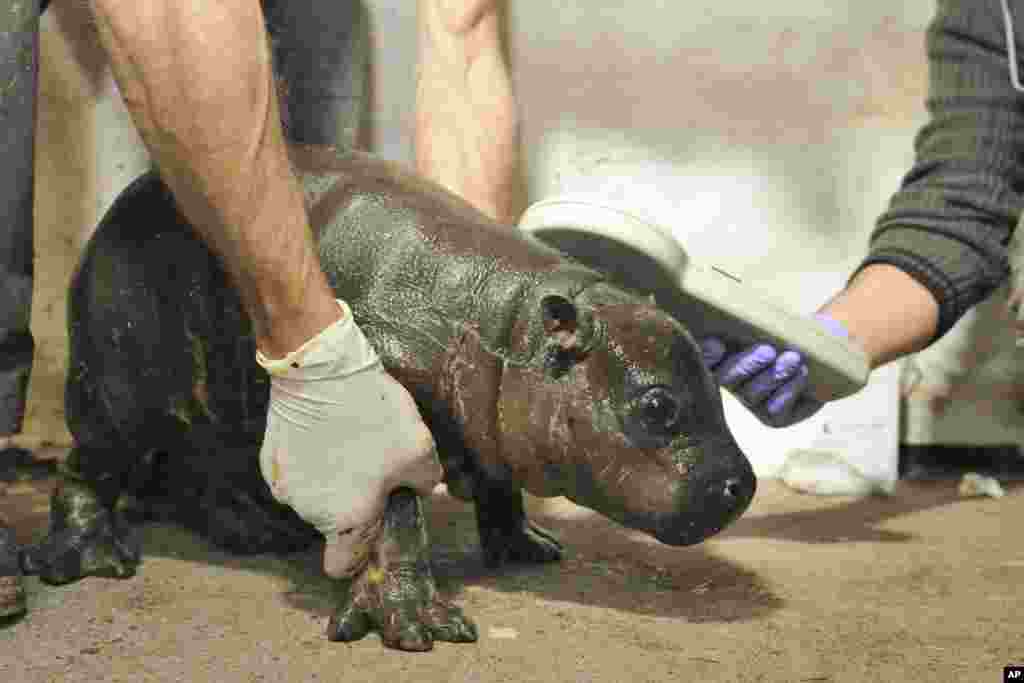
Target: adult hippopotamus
(532, 372)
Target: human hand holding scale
(781, 365)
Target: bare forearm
(887, 312)
(466, 122)
(197, 78)
(460, 16)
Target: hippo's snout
(713, 495)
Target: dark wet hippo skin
(532, 372)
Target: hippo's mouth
(707, 505)
(712, 496)
(694, 532)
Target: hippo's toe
(395, 594)
(401, 603)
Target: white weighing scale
(645, 257)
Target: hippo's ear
(568, 329)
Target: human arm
(197, 79)
(887, 312)
(883, 311)
(467, 129)
(950, 222)
(940, 247)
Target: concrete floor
(922, 586)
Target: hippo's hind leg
(506, 533)
(396, 594)
(245, 521)
(215, 488)
(87, 535)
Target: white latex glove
(341, 435)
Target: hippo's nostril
(704, 510)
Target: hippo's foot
(395, 594)
(400, 602)
(506, 534)
(86, 538)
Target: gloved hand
(341, 435)
(772, 385)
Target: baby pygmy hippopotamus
(532, 372)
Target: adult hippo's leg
(396, 595)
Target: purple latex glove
(772, 385)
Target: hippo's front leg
(506, 534)
(395, 594)
(88, 536)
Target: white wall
(768, 139)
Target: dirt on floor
(920, 586)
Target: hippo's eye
(659, 410)
(657, 415)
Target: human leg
(19, 40)
(18, 68)
(320, 59)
